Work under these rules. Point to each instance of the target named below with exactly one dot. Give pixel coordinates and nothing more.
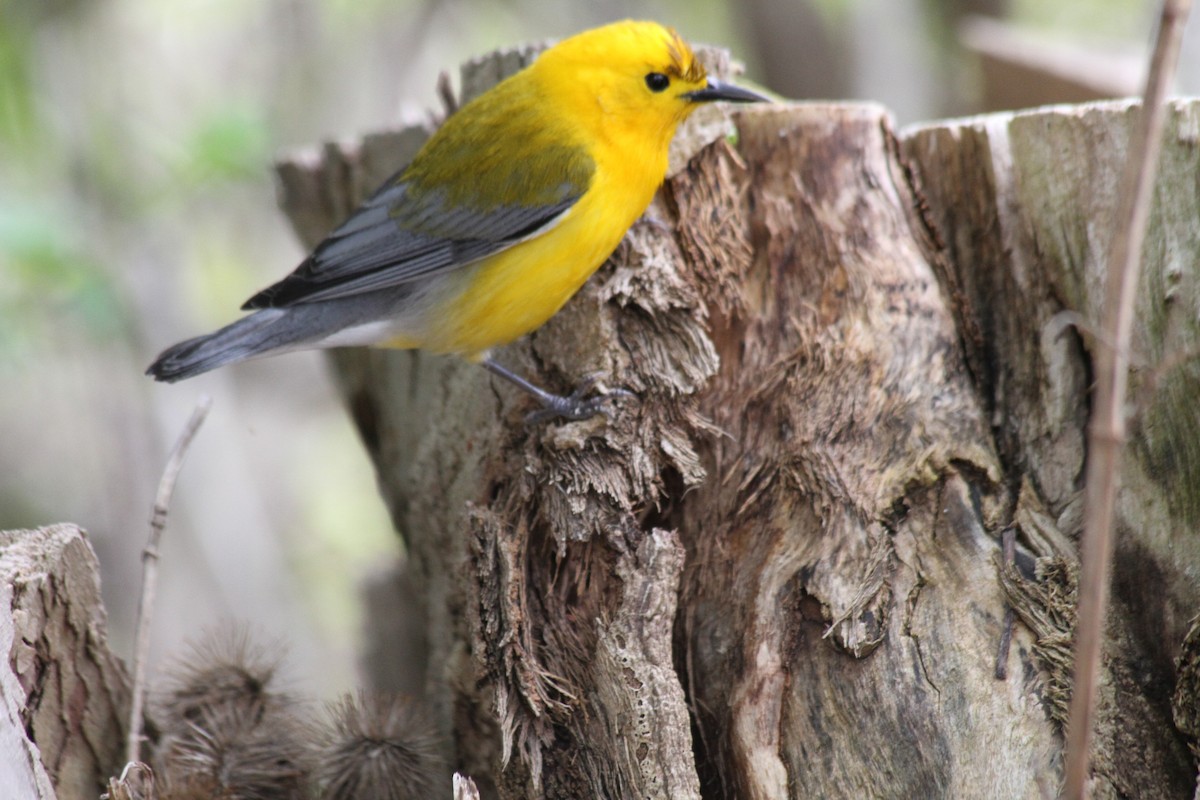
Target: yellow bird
(499, 219)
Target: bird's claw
(577, 405)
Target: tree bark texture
(65, 695)
(779, 571)
(1026, 249)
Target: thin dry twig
(158, 522)
(1008, 541)
(1106, 430)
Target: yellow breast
(514, 292)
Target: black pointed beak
(715, 90)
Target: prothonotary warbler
(499, 219)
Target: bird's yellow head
(631, 78)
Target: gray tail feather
(248, 337)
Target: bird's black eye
(657, 81)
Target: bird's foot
(576, 405)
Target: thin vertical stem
(158, 523)
(1106, 431)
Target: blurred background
(137, 208)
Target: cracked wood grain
(63, 689)
(838, 340)
(845, 618)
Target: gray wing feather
(392, 240)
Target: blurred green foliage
(17, 123)
(229, 143)
(48, 278)
(73, 198)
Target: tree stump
(65, 695)
(780, 570)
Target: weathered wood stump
(780, 572)
(65, 695)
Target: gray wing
(392, 239)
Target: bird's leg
(573, 406)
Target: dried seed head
(226, 731)
(234, 752)
(223, 669)
(379, 748)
